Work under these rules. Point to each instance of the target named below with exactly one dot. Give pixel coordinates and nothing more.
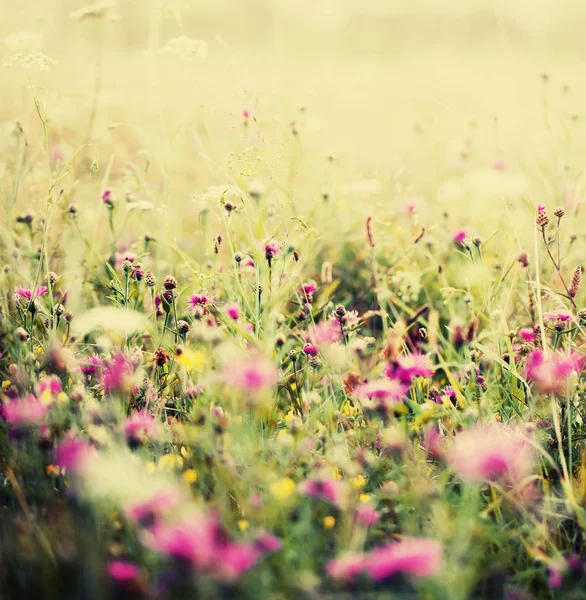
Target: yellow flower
(358, 482)
(329, 522)
(191, 360)
(6, 384)
(282, 489)
(190, 476)
(336, 473)
(364, 497)
(243, 524)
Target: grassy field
(291, 300)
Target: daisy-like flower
(550, 375)
(201, 300)
(488, 453)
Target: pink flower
(233, 310)
(384, 391)
(268, 543)
(25, 412)
(122, 571)
(271, 250)
(331, 490)
(324, 332)
(115, 372)
(200, 300)
(366, 515)
(90, 364)
(138, 426)
(559, 315)
(413, 556)
(527, 335)
(107, 197)
(149, 512)
(347, 567)
(495, 452)
(121, 257)
(51, 385)
(459, 236)
(29, 294)
(72, 453)
(234, 559)
(550, 375)
(252, 374)
(409, 366)
(310, 350)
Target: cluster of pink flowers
(383, 392)
(488, 453)
(550, 374)
(200, 541)
(417, 557)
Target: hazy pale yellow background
(373, 76)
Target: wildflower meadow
(291, 300)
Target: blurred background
(381, 84)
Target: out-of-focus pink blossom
(148, 512)
(550, 375)
(487, 453)
(141, 424)
(346, 567)
(122, 571)
(24, 412)
(459, 236)
(331, 490)
(324, 332)
(72, 453)
(409, 366)
(383, 391)
(252, 374)
(412, 556)
(233, 310)
(366, 515)
(50, 385)
(116, 372)
(527, 335)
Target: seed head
(21, 334)
(59, 309)
(542, 220)
(559, 212)
(68, 317)
(150, 279)
(339, 312)
(161, 357)
(51, 278)
(183, 327)
(524, 260)
(575, 282)
(238, 258)
(170, 283)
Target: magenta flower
(200, 300)
(138, 426)
(527, 335)
(409, 366)
(123, 572)
(252, 374)
(412, 556)
(233, 310)
(271, 250)
(459, 236)
(29, 294)
(550, 375)
(24, 412)
(268, 543)
(488, 453)
(90, 364)
(559, 315)
(116, 372)
(72, 453)
(310, 350)
(50, 385)
(331, 490)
